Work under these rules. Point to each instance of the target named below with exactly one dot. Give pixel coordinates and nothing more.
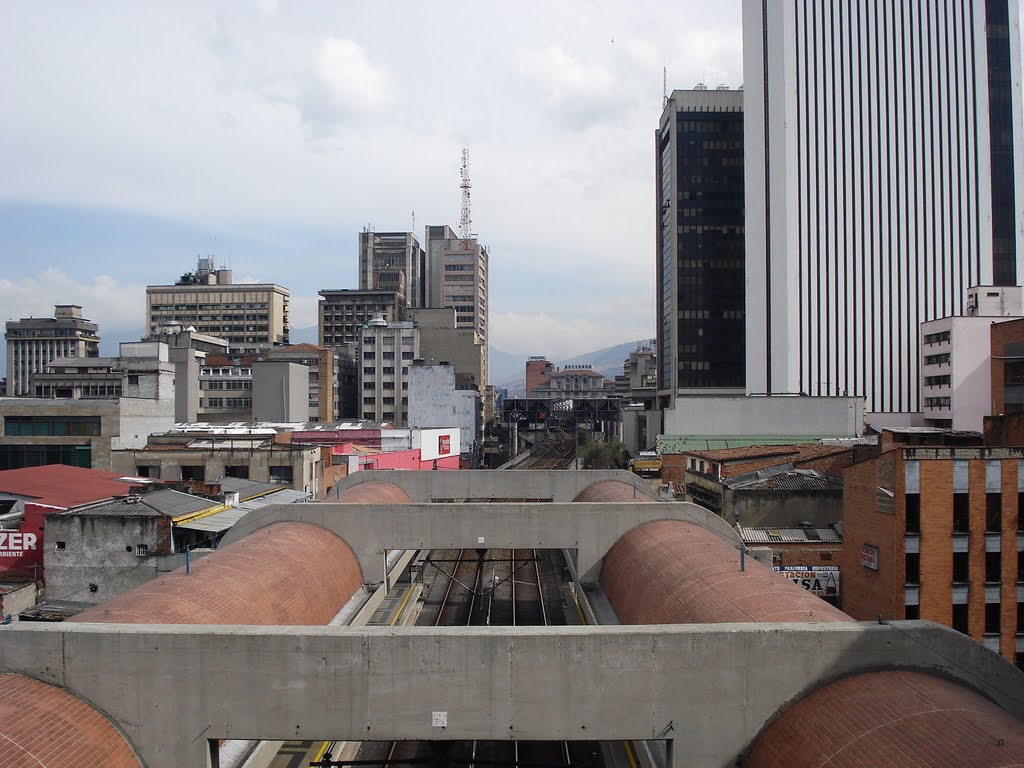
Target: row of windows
(385, 400)
(239, 384)
(226, 402)
(961, 615)
(937, 359)
(196, 307)
(936, 338)
(961, 512)
(937, 402)
(225, 371)
(937, 381)
(52, 426)
(21, 456)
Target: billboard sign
(820, 580)
(869, 556)
(16, 543)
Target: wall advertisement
(820, 580)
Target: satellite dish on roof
(190, 329)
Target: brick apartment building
(937, 533)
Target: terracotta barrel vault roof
(43, 725)
(613, 490)
(373, 492)
(894, 718)
(670, 572)
(309, 571)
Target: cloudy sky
(135, 136)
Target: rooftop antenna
(465, 221)
(664, 87)
(413, 221)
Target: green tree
(594, 454)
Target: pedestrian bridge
(175, 691)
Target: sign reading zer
(15, 543)
(820, 580)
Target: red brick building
(937, 533)
(538, 372)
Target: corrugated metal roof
(246, 489)
(690, 443)
(176, 503)
(802, 535)
(221, 521)
(785, 479)
(129, 506)
(165, 502)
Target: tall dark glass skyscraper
(884, 177)
(700, 243)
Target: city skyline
(269, 137)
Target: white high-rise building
(884, 175)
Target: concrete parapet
(709, 689)
(556, 485)
(590, 528)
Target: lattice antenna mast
(465, 221)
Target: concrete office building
(250, 316)
(442, 341)
(323, 365)
(187, 351)
(343, 313)
(225, 389)
(32, 342)
(79, 432)
(386, 352)
(458, 278)
(395, 262)
(956, 387)
(141, 371)
(884, 174)
(700, 243)
(280, 391)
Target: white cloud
(575, 95)
(304, 311)
(118, 308)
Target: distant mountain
(505, 367)
(309, 335)
(607, 361)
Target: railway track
(496, 587)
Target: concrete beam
(589, 528)
(556, 485)
(708, 688)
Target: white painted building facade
(884, 176)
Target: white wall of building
(738, 415)
(435, 402)
(868, 188)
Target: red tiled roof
(891, 718)
(60, 485)
(43, 725)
